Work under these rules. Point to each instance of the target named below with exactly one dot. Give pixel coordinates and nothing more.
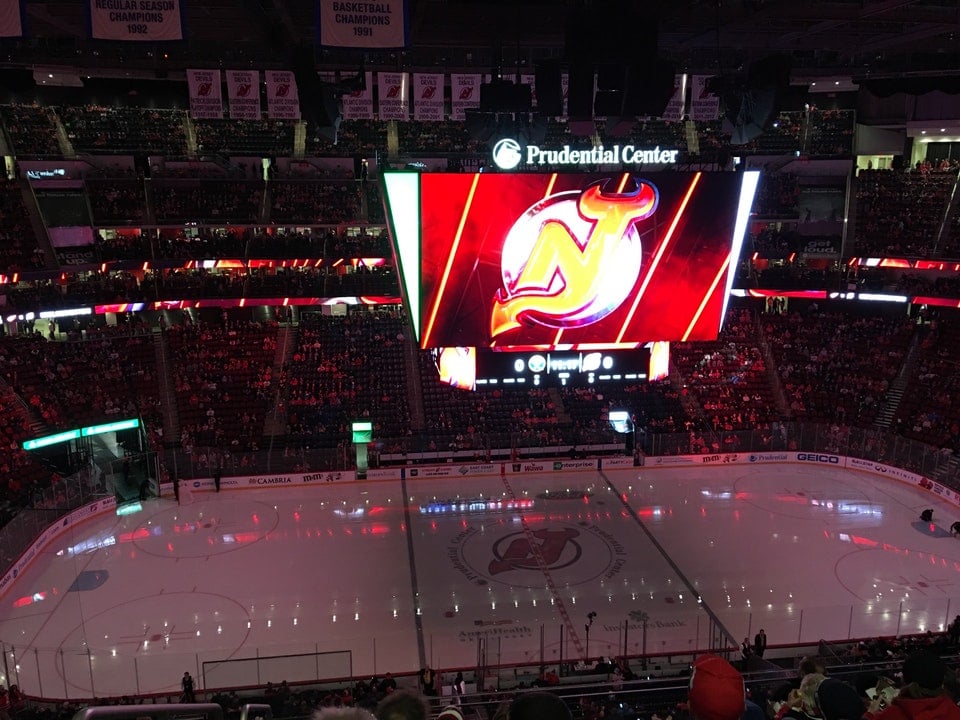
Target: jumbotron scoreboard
(562, 266)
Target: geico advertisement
(545, 259)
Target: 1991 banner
(137, 20)
(358, 23)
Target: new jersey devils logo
(203, 89)
(282, 90)
(243, 90)
(557, 549)
(572, 258)
(428, 92)
(394, 91)
(466, 93)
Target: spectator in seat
(539, 706)
(403, 705)
(717, 692)
(923, 696)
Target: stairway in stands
(899, 385)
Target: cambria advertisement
(571, 260)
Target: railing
(49, 505)
(87, 670)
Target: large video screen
(572, 260)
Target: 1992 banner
(137, 20)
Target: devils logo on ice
(572, 258)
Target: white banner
(530, 80)
(363, 24)
(428, 97)
(283, 102)
(393, 89)
(464, 94)
(358, 105)
(674, 109)
(138, 20)
(565, 87)
(206, 97)
(243, 93)
(11, 19)
(704, 105)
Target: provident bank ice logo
(572, 258)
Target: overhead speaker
(580, 92)
(752, 107)
(549, 89)
(320, 105)
(505, 97)
(648, 88)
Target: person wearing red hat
(717, 692)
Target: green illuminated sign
(362, 431)
(77, 433)
(51, 440)
(110, 427)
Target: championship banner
(674, 110)
(394, 95)
(363, 24)
(206, 97)
(464, 94)
(243, 93)
(565, 87)
(428, 97)
(358, 105)
(530, 80)
(11, 19)
(137, 20)
(704, 105)
(283, 101)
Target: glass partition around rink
(153, 661)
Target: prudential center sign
(509, 154)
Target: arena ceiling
(852, 36)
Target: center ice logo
(551, 552)
(572, 259)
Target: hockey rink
(361, 578)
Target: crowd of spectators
(836, 367)
(112, 130)
(19, 249)
(117, 201)
(777, 195)
(315, 203)
(344, 368)
(265, 137)
(899, 214)
(831, 133)
(224, 380)
(208, 201)
(31, 130)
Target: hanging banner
(428, 97)
(363, 24)
(137, 20)
(464, 94)
(565, 87)
(11, 18)
(674, 110)
(206, 97)
(530, 80)
(283, 101)
(393, 95)
(243, 93)
(358, 105)
(704, 105)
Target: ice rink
(368, 577)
